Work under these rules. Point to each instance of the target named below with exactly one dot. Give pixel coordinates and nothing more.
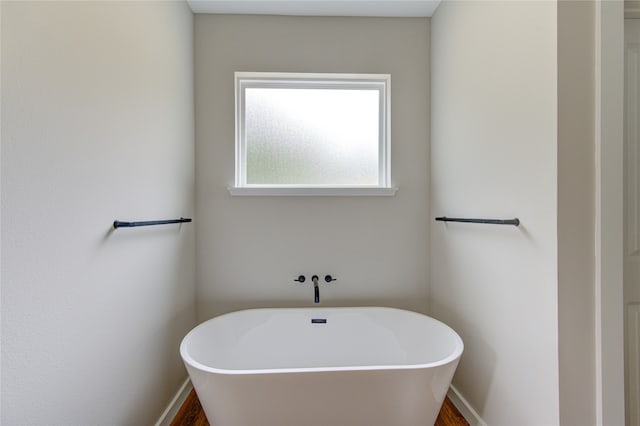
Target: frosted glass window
(320, 130)
(312, 136)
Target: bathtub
(367, 366)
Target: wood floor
(191, 414)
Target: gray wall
(249, 249)
(494, 154)
(576, 212)
(520, 100)
(97, 125)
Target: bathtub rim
(453, 357)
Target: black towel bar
(514, 222)
(118, 224)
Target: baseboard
(174, 406)
(465, 408)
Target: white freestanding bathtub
(321, 367)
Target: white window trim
(325, 191)
(380, 82)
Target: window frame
(380, 82)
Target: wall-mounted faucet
(316, 290)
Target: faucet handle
(300, 279)
(329, 278)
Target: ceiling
(390, 8)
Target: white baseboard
(465, 408)
(174, 406)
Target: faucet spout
(316, 289)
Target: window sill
(312, 192)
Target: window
(312, 134)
